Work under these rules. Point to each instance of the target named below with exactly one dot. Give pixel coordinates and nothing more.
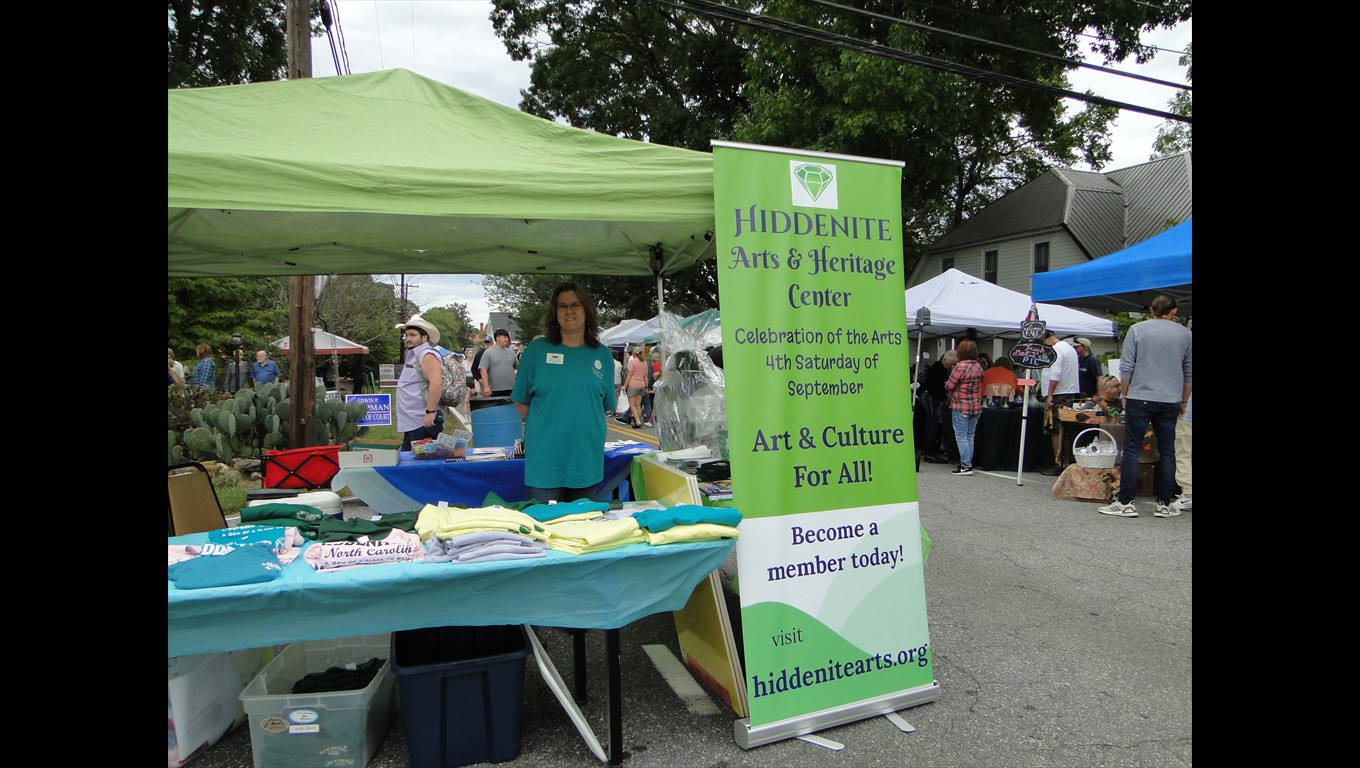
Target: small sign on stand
(379, 409)
(1029, 354)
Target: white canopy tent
(326, 343)
(634, 334)
(955, 302)
(618, 330)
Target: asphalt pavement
(1061, 637)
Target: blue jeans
(1138, 414)
(964, 429)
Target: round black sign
(1033, 329)
(1032, 354)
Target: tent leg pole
(1024, 423)
(660, 297)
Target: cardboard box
(367, 457)
(204, 703)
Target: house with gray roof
(1063, 218)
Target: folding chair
(193, 504)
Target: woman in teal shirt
(565, 376)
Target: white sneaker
(1181, 503)
(1119, 510)
(1166, 509)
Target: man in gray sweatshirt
(1154, 381)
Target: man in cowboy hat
(419, 414)
(1089, 369)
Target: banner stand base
(747, 736)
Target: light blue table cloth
(598, 590)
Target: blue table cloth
(597, 590)
(413, 483)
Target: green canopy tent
(391, 172)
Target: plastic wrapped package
(689, 409)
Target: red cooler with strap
(309, 468)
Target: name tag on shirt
(554, 358)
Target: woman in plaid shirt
(965, 402)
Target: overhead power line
(995, 44)
(330, 19)
(959, 10)
(774, 24)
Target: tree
(1174, 136)
(455, 325)
(225, 43)
(210, 309)
(624, 67)
(525, 297)
(633, 69)
(361, 310)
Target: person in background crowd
(1089, 369)
(177, 365)
(419, 415)
(175, 377)
(965, 402)
(477, 368)
(470, 354)
(1154, 377)
(565, 379)
(618, 377)
(1182, 502)
(1002, 376)
(498, 366)
(649, 392)
(941, 430)
(1063, 389)
(636, 384)
(985, 360)
(264, 370)
(1107, 394)
(205, 370)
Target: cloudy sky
(451, 41)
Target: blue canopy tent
(1127, 280)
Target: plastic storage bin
(462, 693)
(318, 730)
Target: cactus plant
(259, 419)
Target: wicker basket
(1095, 462)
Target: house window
(989, 266)
(946, 264)
(1041, 257)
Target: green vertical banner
(815, 359)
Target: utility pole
(301, 296)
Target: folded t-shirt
(657, 520)
(244, 565)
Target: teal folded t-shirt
(658, 520)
